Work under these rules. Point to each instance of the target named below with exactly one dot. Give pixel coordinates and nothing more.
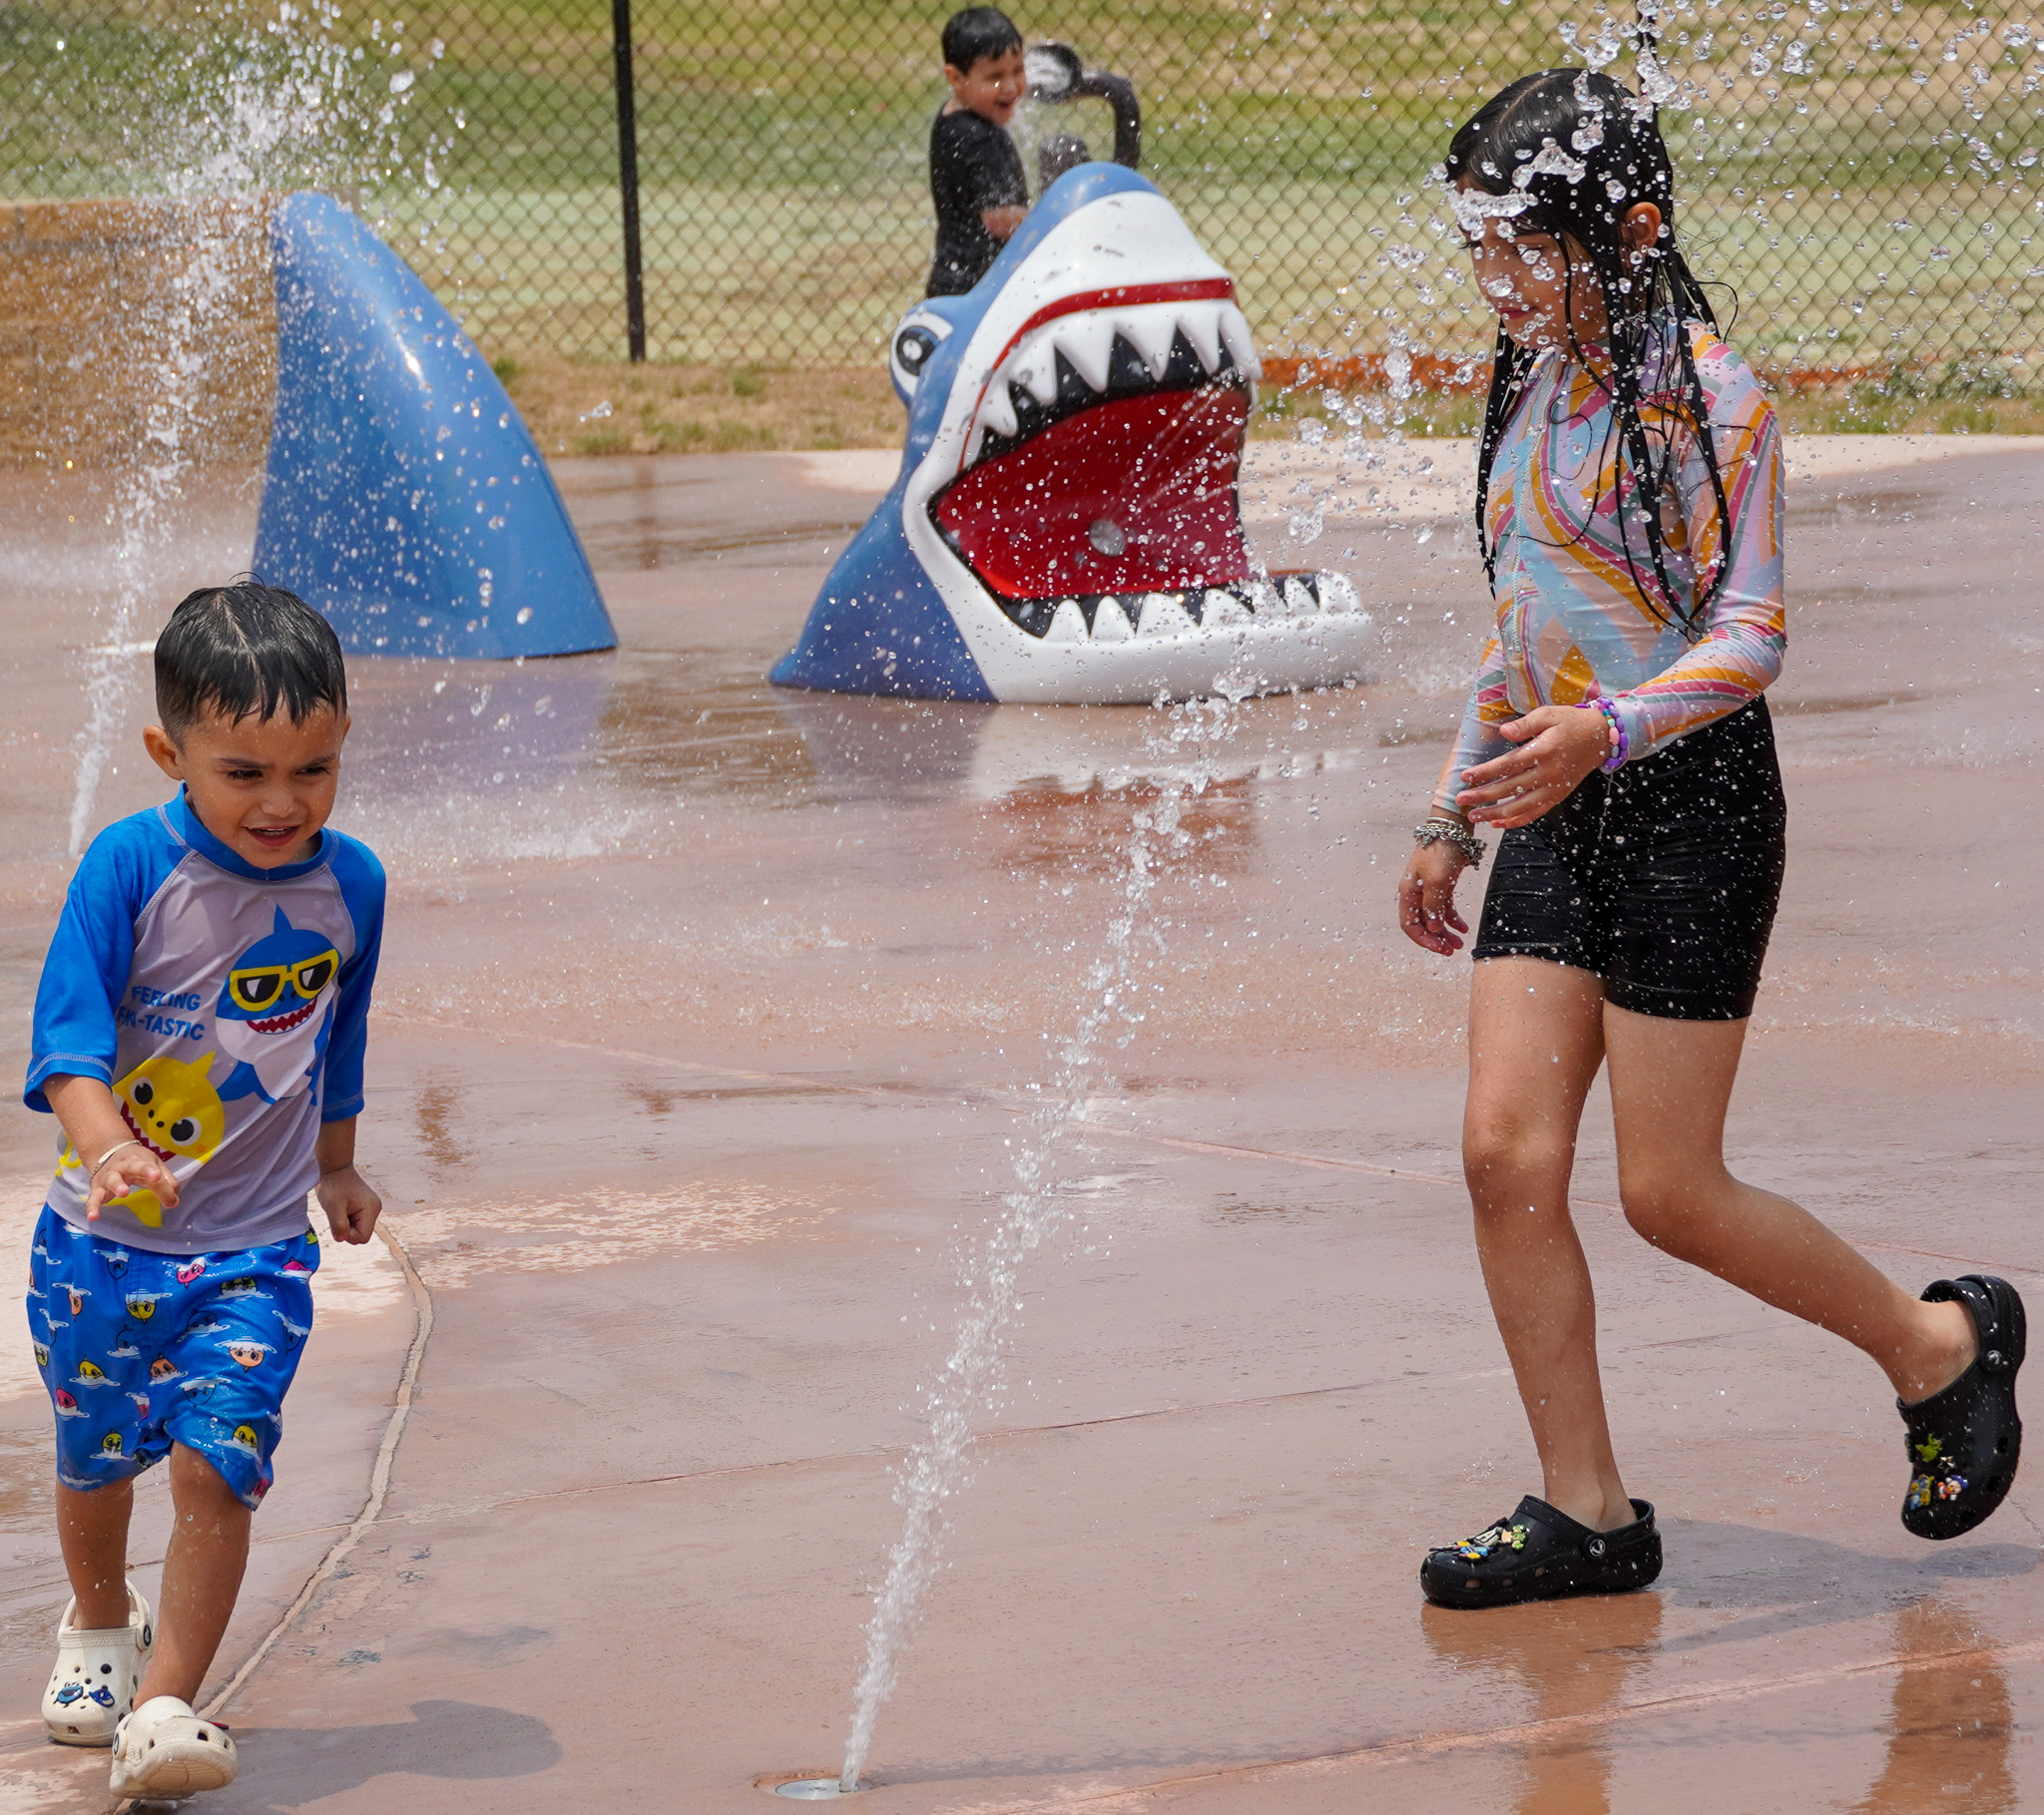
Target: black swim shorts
(1660, 878)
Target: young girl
(1629, 507)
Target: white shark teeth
(1221, 608)
(1164, 615)
(1067, 624)
(1235, 329)
(1035, 370)
(1275, 604)
(1150, 331)
(1338, 594)
(1110, 622)
(1087, 341)
(998, 412)
(1212, 328)
(1202, 329)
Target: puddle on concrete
(355, 1280)
(453, 1243)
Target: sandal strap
(138, 1633)
(1995, 1323)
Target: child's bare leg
(92, 1528)
(1535, 1042)
(202, 1575)
(1670, 1083)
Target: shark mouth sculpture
(1066, 525)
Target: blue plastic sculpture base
(404, 498)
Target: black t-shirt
(974, 166)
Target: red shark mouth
(1132, 495)
(1096, 500)
(135, 1128)
(283, 1024)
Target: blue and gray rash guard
(226, 1006)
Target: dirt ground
(586, 408)
(710, 1023)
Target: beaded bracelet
(1614, 729)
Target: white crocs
(162, 1752)
(96, 1674)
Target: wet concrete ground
(707, 1016)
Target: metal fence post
(627, 180)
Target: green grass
(785, 209)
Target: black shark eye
(254, 989)
(313, 978)
(185, 1129)
(142, 1092)
(912, 347)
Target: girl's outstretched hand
(1558, 746)
(1426, 897)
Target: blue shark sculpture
(404, 498)
(1066, 525)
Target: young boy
(199, 1033)
(976, 171)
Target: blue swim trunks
(142, 1350)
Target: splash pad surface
(707, 1014)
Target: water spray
(1034, 1212)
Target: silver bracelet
(1437, 831)
(93, 1172)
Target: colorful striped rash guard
(1574, 618)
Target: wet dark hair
(245, 651)
(1594, 152)
(979, 31)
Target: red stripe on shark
(1127, 295)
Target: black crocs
(1539, 1554)
(1965, 1442)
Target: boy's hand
(132, 1167)
(351, 1207)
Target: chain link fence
(1863, 173)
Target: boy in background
(976, 177)
(198, 1032)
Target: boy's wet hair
(1570, 153)
(245, 651)
(979, 31)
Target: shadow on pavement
(287, 1768)
(1793, 1581)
